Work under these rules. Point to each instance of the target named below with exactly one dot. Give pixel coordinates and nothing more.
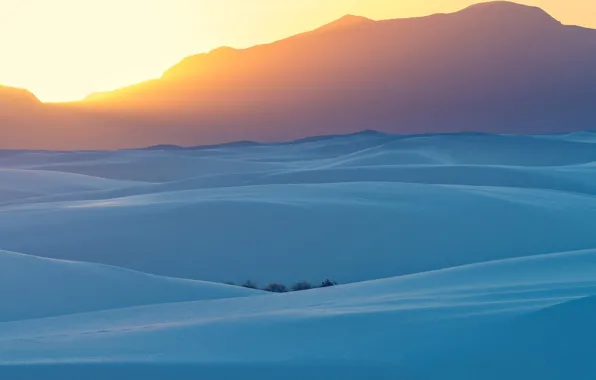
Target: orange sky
(65, 49)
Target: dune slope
(455, 318)
(34, 287)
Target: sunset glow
(65, 49)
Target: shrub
(302, 285)
(327, 283)
(249, 284)
(276, 288)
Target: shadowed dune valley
(393, 195)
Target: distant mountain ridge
(17, 97)
(493, 67)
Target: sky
(63, 50)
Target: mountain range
(495, 67)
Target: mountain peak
(345, 22)
(223, 50)
(499, 5)
(507, 10)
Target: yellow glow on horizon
(65, 49)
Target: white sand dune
(355, 207)
(466, 256)
(346, 231)
(18, 184)
(389, 327)
(34, 287)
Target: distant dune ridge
(493, 67)
(350, 208)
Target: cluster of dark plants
(276, 287)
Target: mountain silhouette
(492, 67)
(344, 22)
(17, 97)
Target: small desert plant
(327, 283)
(250, 285)
(276, 288)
